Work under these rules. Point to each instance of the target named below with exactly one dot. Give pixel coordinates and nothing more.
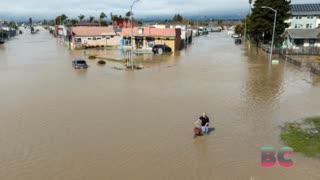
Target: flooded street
(58, 123)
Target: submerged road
(57, 123)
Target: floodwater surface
(58, 123)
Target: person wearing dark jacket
(204, 123)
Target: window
(89, 38)
(296, 26)
(112, 36)
(312, 41)
(298, 42)
(140, 31)
(94, 38)
(78, 41)
(307, 26)
(98, 38)
(127, 41)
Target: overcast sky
(144, 8)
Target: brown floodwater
(58, 123)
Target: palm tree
(81, 17)
(91, 19)
(73, 21)
(127, 17)
(102, 16)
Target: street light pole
(131, 57)
(274, 27)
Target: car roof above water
(79, 60)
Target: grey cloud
(72, 8)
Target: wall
(173, 43)
(99, 41)
(304, 21)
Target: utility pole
(274, 28)
(131, 57)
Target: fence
(302, 51)
(314, 67)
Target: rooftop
(305, 9)
(151, 31)
(86, 24)
(304, 33)
(93, 31)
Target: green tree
(177, 18)
(239, 29)
(60, 19)
(102, 17)
(73, 22)
(91, 19)
(13, 25)
(81, 17)
(261, 20)
(30, 21)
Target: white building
(304, 16)
(301, 38)
(184, 32)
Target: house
(58, 31)
(301, 38)
(87, 36)
(304, 16)
(146, 37)
(186, 32)
(123, 23)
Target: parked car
(2, 41)
(237, 41)
(235, 36)
(161, 48)
(79, 64)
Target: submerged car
(235, 35)
(161, 48)
(79, 64)
(237, 41)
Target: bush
(92, 57)
(101, 62)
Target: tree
(73, 22)
(13, 25)
(81, 17)
(91, 19)
(261, 20)
(239, 29)
(30, 21)
(177, 18)
(60, 19)
(101, 17)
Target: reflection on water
(100, 123)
